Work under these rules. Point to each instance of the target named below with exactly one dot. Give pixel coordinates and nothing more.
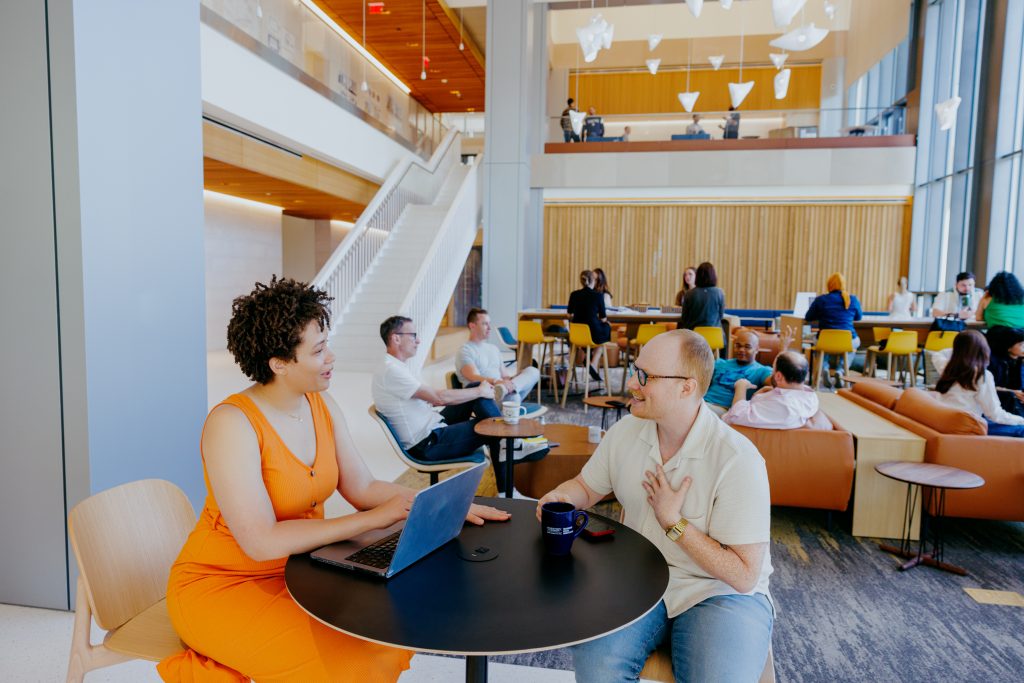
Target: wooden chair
(433, 468)
(714, 336)
(644, 334)
(659, 667)
(580, 339)
(125, 540)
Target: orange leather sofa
(807, 468)
(958, 439)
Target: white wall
(243, 246)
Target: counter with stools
(531, 334)
(581, 339)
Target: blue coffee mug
(560, 524)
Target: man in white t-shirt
(961, 301)
(698, 490)
(787, 404)
(408, 404)
(478, 361)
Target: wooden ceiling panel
(395, 37)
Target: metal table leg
(476, 669)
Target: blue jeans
(724, 638)
(457, 438)
(996, 429)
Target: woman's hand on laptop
(394, 509)
(478, 514)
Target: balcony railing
(289, 36)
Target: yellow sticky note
(990, 597)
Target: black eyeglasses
(414, 335)
(642, 375)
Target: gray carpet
(845, 613)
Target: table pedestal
(929, 523)
(476, 669)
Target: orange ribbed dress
(235, 613)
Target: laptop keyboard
(377, 554)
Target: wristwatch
(676, 531)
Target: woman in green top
(1003, 303)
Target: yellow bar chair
(835, 343)
(900, 350)
(937, 340)
(714, 336)
(531, 334)
(644, 334)
(580, 338)
(871, 356)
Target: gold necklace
(296, 417)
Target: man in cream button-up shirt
(698, 490)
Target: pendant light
(364, 86)
(739, 91)
(688, 98)
(423, 43)
(462, 43)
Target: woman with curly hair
(967, 384)
(272, 455)
(1003, 303)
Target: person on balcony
(787, 404)
(593, 126)
(566, 122)
(695, 128)
(742, 366)
(478, 361)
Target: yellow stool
(871, 356)
(580, 338)
(836, 343)
(644, 334)
(530, 333)
(714, 336)
(935, 341)
(901, 346)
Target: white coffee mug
(511, 411)
(595, 434)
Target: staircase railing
(428, 296)
(413, 182)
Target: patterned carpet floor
(846, 613)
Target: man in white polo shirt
(479, 361)
(408, 404)
(698, 490)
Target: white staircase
(415, 261)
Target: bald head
(744, 347)
(790, 370)
(686, 353)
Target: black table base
(930, 524)
(476, 669)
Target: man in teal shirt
(743, 364)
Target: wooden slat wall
(642, 93)
(763, 253)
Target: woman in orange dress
(272, 455)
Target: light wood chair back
(125, 540)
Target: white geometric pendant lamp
(946, 112)
(830, 10)
(688, 99)
(576, 119)
(778, 58)
(716, 61)
(738, 92)
(783, 11)
(726, 4)
(803, 38)
(782, 84)
(653, 40)
(652, 65)
(695, 7)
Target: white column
(103, 267)
(513, 212)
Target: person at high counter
(703, 305)
(586, 306)
(689, 282)
(698, 490)
(1003, 303)
(1007, 366)
(961, 301)
(837, 309)
(272, 455)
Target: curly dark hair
(269, 321)
(1005, 288)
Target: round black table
(522, 600)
